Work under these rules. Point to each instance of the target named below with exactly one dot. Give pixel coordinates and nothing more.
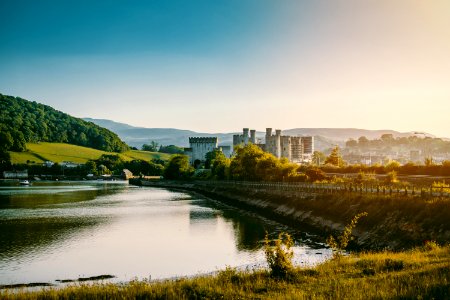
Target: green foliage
(318, 158)
(426, 144)
(335, 158)
(340, 243)
(210, 156)
(22, 122)
(91, 167)
(363, 177)
(391, 178)
(171, 149)
(392, 165)
(153, 147)
(178, 167)
(146, 168)
(315, 174)
(279, 254)
(253, 164)
(5, 160)
(220, 166)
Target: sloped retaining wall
(393, 222)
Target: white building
(199, 146)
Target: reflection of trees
(248, 230)
(27, 236)
(248, 233)
(24, 233)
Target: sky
(219, 66)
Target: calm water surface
(67, 230)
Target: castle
(199, 146)
(294, 148)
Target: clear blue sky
(221, 65)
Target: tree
(210, 156)
(171, 149)
(335, 158)
(429, 162)
(5, 160)
(318, 158)
(387, 137)
(363, 141)
(391, 177)
(91, 167)
(243, 164)
(153, 147)
(6, 140)
(178, 167)
(392, 165)
(315, 174)
(351, 143)
(220, 166)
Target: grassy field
(58, 152)
(422, 273)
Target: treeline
(113, 164)
(387, 141)
(249, 163)
(406, 169)
(107, 164)
(23, 121)
(155, 147)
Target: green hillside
(59, 152)
(23, 121)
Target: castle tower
(253, 136)
(245, 133)
(277, 151)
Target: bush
(339, 244)
(279, 254)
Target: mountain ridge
(324, 137)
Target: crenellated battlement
(203, 140)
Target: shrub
(391, 177)
(279, 254)
(339, 244)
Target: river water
(53, 231)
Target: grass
(144, 155)
(421, 273)
(59, 152)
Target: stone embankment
(395, 220)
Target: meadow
(59, 152)
(420, 273)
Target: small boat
(24, 182)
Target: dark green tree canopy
(23, 121)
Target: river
(52, 231)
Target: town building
(15, 174)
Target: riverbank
(419, 273)
(394, 221)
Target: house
(15, 174)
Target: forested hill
(23, 121)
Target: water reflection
(71, 230)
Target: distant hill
(325, 138)
(23, 121)
(343, 134)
